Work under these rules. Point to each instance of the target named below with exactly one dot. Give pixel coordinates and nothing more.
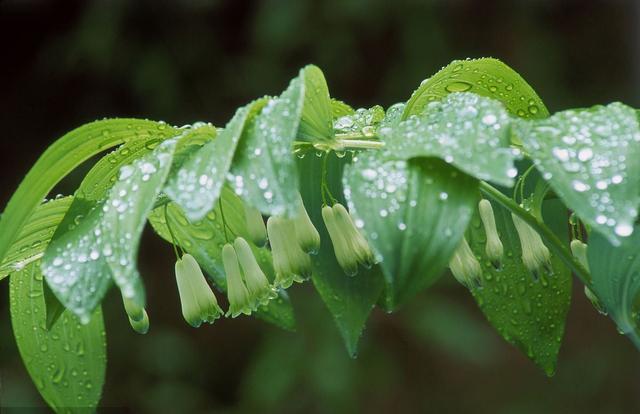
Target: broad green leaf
(339, 108)
(67, 364)
(591, 158)
(349, 299)
(264, 170)
(203, 239)
(615, 275)
(103, 175)
(62, 157)
(362, 121)
(81, 261)
(487, 77)
(34, 236)
(316, 122)
(197, 184)
(479, 145)
(414, 214)
(527, 313)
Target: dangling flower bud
(579, 251)
(535, 255)
(138, 318)
(289, 261)
(140, 326)
(239, 300)
(493, 248)
(349, 246)
(306, 233)
(347, 261)
(255, 225)
(257, 283)
(465, 267)
(199, 304)
(355, 240)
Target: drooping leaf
(81, 261)
(487, 77)
(197, 184)
(413, 214)
(591, 158)
(203, 239)
(103, 175)
(34, 236)
(527, 313)
(316, 122)
(478, 145)
(62, 157)
(264, 170)
(615, 275)
(67, 364)
(349, 299)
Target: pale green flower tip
(255, 226)
(141, 325)
(289, 261)
(134, 311)
(350, 246)
(595, 301)
(465, 266)
(237, 293)
(199, 304)
(535, 255)
(579, 251)
(493, 248)
(257, 283)
(306, 233)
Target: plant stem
(553, 242)
(343, 144)
(173, 237)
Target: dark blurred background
(64, 63)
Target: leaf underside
(414, 214)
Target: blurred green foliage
(69, 63)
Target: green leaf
(103, 242)
(35, 235)
(62, 157)
(103, 175)
(527, 313)
(67, 364)
(316, 123)
(413, 213)
(615, 274)
(264, 170)
(197, 184)
(591, 158)
(339, 108)
(466, 130)
(203, 239)
(486, 77)
(349, 299)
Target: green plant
(471, 173)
